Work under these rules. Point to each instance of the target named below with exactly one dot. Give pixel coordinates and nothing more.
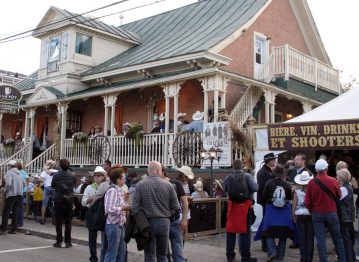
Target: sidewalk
(200, 249)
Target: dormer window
(83, 44)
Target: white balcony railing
(288, 62)
(123, 150)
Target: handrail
(18, 153)
(37, 163)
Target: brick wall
(277, 22)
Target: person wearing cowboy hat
(199, 193)
(13, 193)
(264, 174)
(162, 118)
(218, 189)
(197, 124)
(302, 217)
(46, 178)
(87, 200)
(182, 122)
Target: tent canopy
(345, 106)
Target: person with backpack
(240, 187)
(87, 200)
(277, 221)
(264, 174)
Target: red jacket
(237, 216)
(316, 200)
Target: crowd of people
(297, 204)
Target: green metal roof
(27, 83)
(186, 30)
(97, 24)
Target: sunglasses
(97, 175)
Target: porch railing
(24, 155)
(35, 166)
(289, 62)
(124, 150)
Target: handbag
(331, 195)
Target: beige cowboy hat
(219, 183)
(197, 116)
(49, 164)
(198, 185)
(180, 115)
(185, 170)
(162, 116)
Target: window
(55, 45)
(259, 52)
(65, 43)
(278, 117)
(83, 44)
(73, 120)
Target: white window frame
(264, 39)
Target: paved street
(38, 247)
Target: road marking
(23, 249)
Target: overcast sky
(334, 19)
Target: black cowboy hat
(269, 156)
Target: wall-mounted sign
(343, 134)
(9, 108)
(9, 94)
(218, 134)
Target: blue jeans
(116, 250)
(104, 245)
(306, 238)
(274, 250)
(157, 247)
(320, 221)
(48, 192)
(176, 241)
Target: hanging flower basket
(135, 131)
(80, 137)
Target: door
(260, 54)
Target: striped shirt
(113, 206)
(156, 197)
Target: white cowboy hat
(99, 169)
(198, 185)
(12, 163)
(198, 115)
(186, 170)
(303, 178)
(162, 116)
(180, 115)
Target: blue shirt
(195, 126)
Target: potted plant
(135, 131)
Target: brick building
(262, 59)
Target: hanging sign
(218, 135)
(341, 134)
(9, 94)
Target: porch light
(289, 115)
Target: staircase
(244, 107)
(24, 155)
(35, 166)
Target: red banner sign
(342, 134)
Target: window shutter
(44, 53)
(65, 44)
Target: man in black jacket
(63, 183)
(299, 167)
(264, 174)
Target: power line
(60, 20)
(86, 20)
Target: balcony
(287, 62)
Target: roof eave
(190, 57)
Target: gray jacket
(13, 183)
